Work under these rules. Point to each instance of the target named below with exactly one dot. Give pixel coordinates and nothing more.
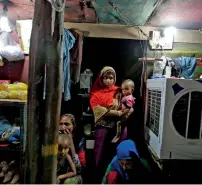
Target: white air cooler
(173, 118)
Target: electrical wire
(5, 6)
(126, 19)
(157, 4)
(143, 46)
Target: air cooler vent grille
(154, 107)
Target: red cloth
(112, 177)
(82, 158)
(101, 95)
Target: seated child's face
(126, 89)
(63, 147)
(125, 164)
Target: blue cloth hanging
(187, 66)
(68, 43)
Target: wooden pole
(43, 115)
(35, 96)
(54, 27)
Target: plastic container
(158, 67)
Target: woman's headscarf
(101, 97)
(124, 151)
(98, 85)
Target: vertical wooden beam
(54, 26)
(35, 95)
(43, 115)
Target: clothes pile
(9, 134)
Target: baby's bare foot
(116, 139)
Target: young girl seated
(67, 126)
(66, 170)
(127, 104)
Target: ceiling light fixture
(170, 31)
(4, 24)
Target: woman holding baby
(105, 100)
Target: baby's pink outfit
(127, 102)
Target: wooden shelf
(12, 149)
(13, 101)
(84, 95)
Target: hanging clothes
(187, 66)
(68, 43)
(170, 68)
(76, 55)
(176, 68)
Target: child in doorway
(127, 104)
(66, 170)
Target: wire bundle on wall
(144, 46)
(127, 21)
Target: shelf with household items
(13, 129)
(13, 92)
(11, 101)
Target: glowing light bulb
(4, 24)
(169, 31)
